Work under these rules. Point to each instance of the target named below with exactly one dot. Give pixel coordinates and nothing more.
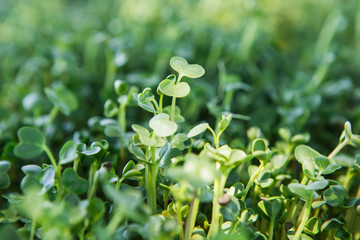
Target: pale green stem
(304, 219)
(54, 111)
(114, 222)
(191, 219)
(152, 182)
(33, 228)
(271, 229)
(179, 220)
(118, 183)
(173, 102)
(122, 123)
(251, 181)
(57, 168)
(76, 164)
(173, 105)
(161, 103)
(93, 168)
(337, 150)
(219, 185)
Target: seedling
(180, 181)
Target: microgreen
(171, 179)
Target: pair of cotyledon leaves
(170, 88)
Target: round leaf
(180, 65)
(68, 152)
(62, 98)
(31, 144)
(303, 153)
(162, 125)
(198, 129)
(169, 88)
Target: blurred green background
(280, 63)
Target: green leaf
(331, 223)
(300, 138)
(48, 179)
(7, 231)
(260, 150)
(32, 143)
(137, 152)
(180, 65)
(169, 88)
(198, 129)
(62, 98)
(264, 180)
(91, 151)
(285, 134)
(4, 178)
(309, 168)
(317, 185)
(68, 152)
(331, 168)
(162, 125)
(96, 210)
(305, 153)
(342, 234)
(132, 173)
(120, 87)
(313, 226)
(73, 183)
(317, 204)
(180, 141)
(237, 157)
(110, 108)
(32, 170)
(144, 135)
(322, 162)
(231, 211)
(177, 118)
(4, 166)
(130, 165)
(335, 195)
(145, 100)
(271, 209)
(224, 123)
(300, 190)
(166, 154)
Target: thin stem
(33, 228)
(57, 168)
(114, 222)
(251, 181)
(118, 183)
(337, 149)
(216, 138)
(93, 168)
(166, 198)
(271, 228)
(52, 115)
(191, 219)
(173, 105)
(152, 182)
(94, 186)
(304, 219)
(179, 220)
(76, 164)
(219, 185)
(161, 103)
(348, 179)
(173, 101)
(122, 123)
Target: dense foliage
(253, 143)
